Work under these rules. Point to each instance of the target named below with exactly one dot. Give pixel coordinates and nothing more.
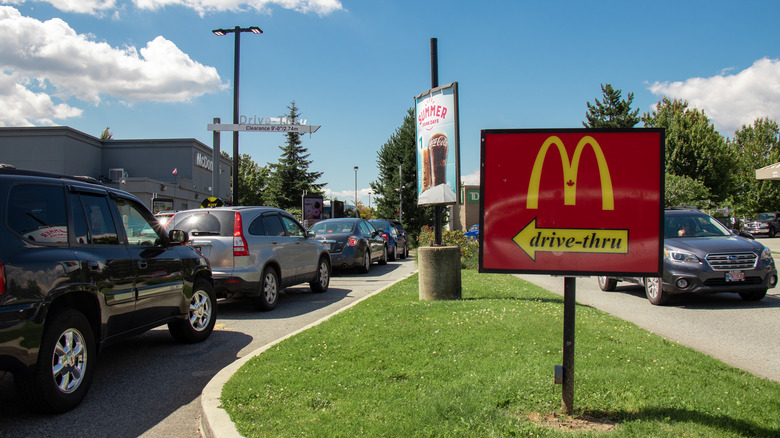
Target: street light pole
(357, 214)
(236, 57)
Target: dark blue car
(396, 242)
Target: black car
(702, 256)
(83, 265)
(351, 242)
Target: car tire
(322, 280)
(64, 370)
(654, 290)
(757, 295)
(269, 290)
(771, 232)
(366, 266)
(405, 253)
(607, 284)
(383, 259)
(201, 315)
(394, 253)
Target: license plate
(735, 276)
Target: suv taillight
(240, 248)
(2, 279)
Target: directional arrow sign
(571, 240)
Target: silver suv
(255, 252)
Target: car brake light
(2, 279)
(352, 241)
(385, 236)
(240, 247)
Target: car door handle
(141, 264)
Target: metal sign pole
(569, 305)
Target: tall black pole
(434, 84)
(569, 306)
(236, 57)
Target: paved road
(150, 385)
(740, 333)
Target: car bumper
(20, 337)
(685, 279)
(346, 258)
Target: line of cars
(256, 252)
(83, 265)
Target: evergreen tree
(401, 150)
(290, 176)
(612, 111)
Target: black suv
(83, 265)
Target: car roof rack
(9, 169)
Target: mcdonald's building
(166, 174)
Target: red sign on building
(572, 202)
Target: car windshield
(693, 225)
(765, 217)
(329, 227)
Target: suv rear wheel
(607, 284)
(65, 365)
(201, 316)
(753, 296)
(269, 290)
(321, 282)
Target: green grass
(399, 367)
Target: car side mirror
(310, 234)
(178, 237)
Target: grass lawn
(483, 366)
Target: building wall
(148, 165)
(57, 149)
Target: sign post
(576, 202)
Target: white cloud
(99, 7)
(731, 100)
(21, 106)
(60, 63)
(471, 179)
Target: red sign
(572, 202)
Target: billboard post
(572, 202)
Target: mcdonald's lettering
(570, 170)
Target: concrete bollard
(439, 272)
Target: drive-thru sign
(572, 202)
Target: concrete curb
(214, 420)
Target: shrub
(469, 249)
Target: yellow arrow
(576, 240)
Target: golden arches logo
(570, 173)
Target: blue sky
(153, 69)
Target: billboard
(438, 145)
(312, 209)
(572, 202)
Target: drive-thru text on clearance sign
(572, 202)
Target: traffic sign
(572, 202)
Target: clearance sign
(572, 202)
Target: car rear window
(206, 222)
(37, 213)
